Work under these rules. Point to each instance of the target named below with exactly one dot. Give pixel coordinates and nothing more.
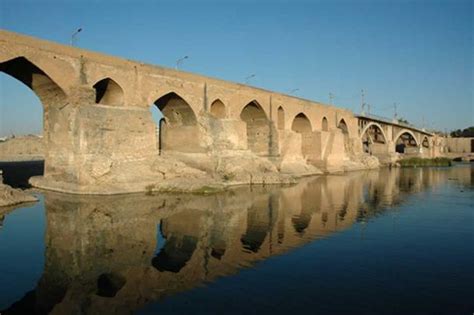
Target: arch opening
(51, 97)
(36, 79)
(324, 124)
(258, 128)
(176, 125)
(343, 127)
(373, 139)
(301, 124)
(108, 92)
(218, 109)
(406, 143)
(281, 118)
(260, 221)
(426, 142)
(178, 249)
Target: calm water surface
(378, 242)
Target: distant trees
(403, 121)
(468, 132)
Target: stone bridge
(100, 136)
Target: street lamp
(73, 36)
(249, 77)
(179, 61)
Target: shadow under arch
(343, 126)
(324, 124)
(178, 249)
(425, 142)
(261, 217)
(108, 92)
(301, 124)
(281, 118)
(179, 128)
(175, 254)
(218, 109)
(259, 133)
(48, 91)
(406, 142)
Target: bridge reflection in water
(115, 254)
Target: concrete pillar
(390, 140)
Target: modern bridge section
(383, 138)
(100, 136)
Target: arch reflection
(113, 254)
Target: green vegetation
(205, 190)
(228, 177)
(415, 162)
(468, 132)
(403, 121)
(150, 190)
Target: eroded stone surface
(10, 196)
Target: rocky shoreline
(10, 196)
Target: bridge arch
(342, 125)
(425, 142)
(374, 125)
(324, 124)
(245, 101)
(406, 131)
(301, 124)
(108, 92)
(258, 128)
(373, 138)
(55, 117)
(178, 129)
(62, 72)
(218, 109)
(406, 138)
(41, 83)
(281, 118)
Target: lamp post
(180, 61)
(73, 36)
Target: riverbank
(180, 177)
(10, 196)
(423, 162)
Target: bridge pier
(96, 148)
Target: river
(397, 241)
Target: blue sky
(418, 54)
